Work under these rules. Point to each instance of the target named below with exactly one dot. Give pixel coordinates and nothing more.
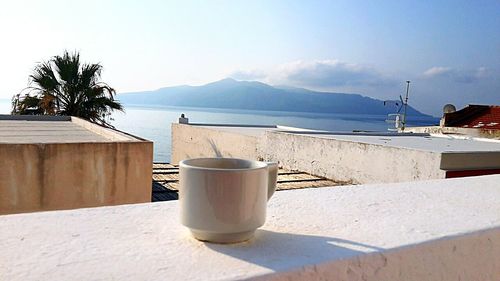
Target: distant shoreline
(266, 112)
(253, 95)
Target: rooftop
(423, 142)
(423, 230)
(249, 130)
(416, 141)
(166, 181)
(475, 116)
(55, 129)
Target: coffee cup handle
(272, 169)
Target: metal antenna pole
(406, 104)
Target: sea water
(154, 123)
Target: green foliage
(65, 86)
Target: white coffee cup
(224, 200)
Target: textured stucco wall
(36, 177)
(350, 161)
(193, 141)
(426, 230)
(470, 257)
(347, 161)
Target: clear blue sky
(449, 49)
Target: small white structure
(396, 121)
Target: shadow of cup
(283, 251)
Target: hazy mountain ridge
(251, 95)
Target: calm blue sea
(153, 123)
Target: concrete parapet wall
(473, 256)
(190, 141)
(427, 230)
(350, 161)
(62, 162)
(112, 135)
(35, 177)
(341, 160)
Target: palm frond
(64, 86)
(43, 76)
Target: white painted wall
(350, 161)
(341, 160)
(427, 230)
(195, 141)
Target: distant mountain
(252, 95)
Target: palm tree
(64, 86)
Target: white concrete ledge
(358, 158)
(428, 230)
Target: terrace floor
(22, 131)
(166, 181)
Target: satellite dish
(449, 108)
